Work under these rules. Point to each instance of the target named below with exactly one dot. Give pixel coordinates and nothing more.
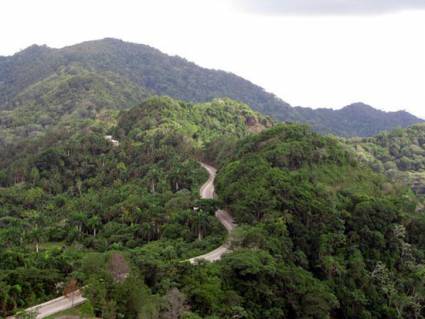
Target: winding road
(207, 191)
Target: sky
(314, 53)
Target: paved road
(207, 192)
(57, 305)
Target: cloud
(329, 7)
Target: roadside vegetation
(320, 234)
(72, 194)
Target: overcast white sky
(317, 53)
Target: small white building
(112, 140)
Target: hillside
(321, 234)
(356, 119)
(201, 122)
(68, 200)
(71, 95)
(400, 154)
(50, 86)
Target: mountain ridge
(148, 69)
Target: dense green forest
(357, 119)
(320, 234)
(42, 88)
(203, 123)
(400, 154)
(70, 199)
(73, 94)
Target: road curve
(207, 192)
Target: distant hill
(41, 87)
(140, 64)
(357, 119)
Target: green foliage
(70, 95)
(320, 235)
(42, 87)
(357, 119)
(327, 226)
(400, 154)
(111, 298)
(72, 193)
(202, 123)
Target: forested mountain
(400, 154)
(70, 198)
(202, 122)
(356, 119)
(322, 236)
(321, 233)
(71, 95)
(41, 87)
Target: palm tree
(35, 220)
(94, 223)
(79, 219)
(36, 235)
(148, 231)
(200, 223)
